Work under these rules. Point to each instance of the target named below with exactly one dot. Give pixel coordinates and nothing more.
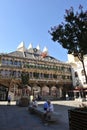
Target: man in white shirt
(49, 111)
(50, 107)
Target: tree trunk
(84, 71)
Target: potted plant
(24, 100)
(78, 118)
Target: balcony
(51, 80)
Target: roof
(34, 55)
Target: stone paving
(18, 118)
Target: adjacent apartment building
(48, 77)
(78, 77)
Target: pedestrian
(9, 99)
(48, 107)
(45, 106)
(34, 103)
(39, 97)
(50, 110)
(33, 106)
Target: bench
(40, 112)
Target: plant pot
(23, 102)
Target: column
(60, 92)
(50, 90)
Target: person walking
(9, 99)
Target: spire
(38, 47)
(21, 47)
(30, 46)
(45, 50)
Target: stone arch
(3, 92)
(45, 91)
(54, 91)
(36, 90)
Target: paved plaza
(18, 118)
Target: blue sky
(30, 20)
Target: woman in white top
(34, 103)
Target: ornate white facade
(77, 70)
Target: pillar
(50, 90)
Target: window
(82, 72)
(76, 74)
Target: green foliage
(72, 35)
(25, 78)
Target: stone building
(78, 77)
(48, 77)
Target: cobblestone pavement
(18, 118)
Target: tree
(24, 79)
(72, 35)
(24, 101)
